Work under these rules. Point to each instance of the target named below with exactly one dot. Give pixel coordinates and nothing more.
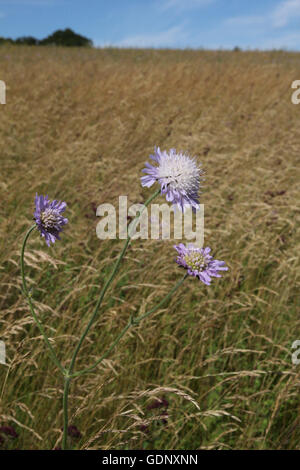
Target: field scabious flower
(199, 262)
(48, 218)
(178, 175)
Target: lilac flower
(48, 218)
(178, 175)
(199, 262)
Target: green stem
(98, 304)
(132, 321)
(109, 281)
(28, 297)
(65, 412)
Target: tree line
(65, 37)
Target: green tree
(66, 37)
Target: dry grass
(79, 125)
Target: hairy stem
(132, 321)
(28, 297)
(65, 413)
(108, 282)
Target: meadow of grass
(213, 368)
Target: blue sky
(263, 24)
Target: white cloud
(280, 16)
(167, 38)
(285, 12)
(284, 41)
(184, 4)
(245, 20)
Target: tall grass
(213, 369)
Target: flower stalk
(94, 315)
(109, 281)
(65, 412)
(132, 322)
(28, 297)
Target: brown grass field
(79, 125)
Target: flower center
(49, 218)
(196, 261)
(180, 173)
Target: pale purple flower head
(178, 175)
(199, 262)
(48, 218)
